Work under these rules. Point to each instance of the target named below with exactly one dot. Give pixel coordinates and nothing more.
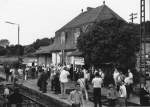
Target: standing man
(82, 83)
(63, 78)
(122, 95)
(42, 82)
(97, 83)
(115, 76)
(76, 97)
(7, 72)
(20, 72)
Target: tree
(3, 51)
(28, 50)
(4, 43)
(110, 41)
(42, 42)
(15, 50)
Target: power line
(133, 16)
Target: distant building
(44, 56)
(64, 50)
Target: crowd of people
(119, 88)
(21, 72)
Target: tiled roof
(93, 15)
(76, 53)
(53, 47)
(57, 47)
(44, 50)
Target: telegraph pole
(142, 40)
(18, 29)
(133, 16)
(149, 9)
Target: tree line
(14, 50)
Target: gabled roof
(93, 15)
(44, 50)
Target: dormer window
(62, 38)
(76, 34)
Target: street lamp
(18, 26)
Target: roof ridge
(114, 13)
(91, 16)
(70, 21)
(100, 10)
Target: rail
(27, 101)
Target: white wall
(41, 60)
(55, 58)
(58, 57)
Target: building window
(62, 38)
(85, 28)
(66, 36)
(76, 34)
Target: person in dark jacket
(33, 72)
(16, 98)
(144, 99)
(71, 72)
(7, 72)
(42, 81)
(57, 84)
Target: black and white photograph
(74, 53)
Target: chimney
(82, 10)
(104, 2)
(89, 8)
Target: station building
(64, 50)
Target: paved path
(31, 83)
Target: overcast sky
(42, 18)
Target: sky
(42, 18)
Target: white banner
(79, 61)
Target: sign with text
(79, 61)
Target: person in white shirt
(20, 72)
(128, 82)
(115, 76)
(101, 73)
(26, 73)
(122, 95)
(12, 71)
(130, 74)
(97, 84)
(63, 78)
(6, 95)
(6, 91)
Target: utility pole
(18, 29)
(133, 16)
(149, 10)
(142, 40)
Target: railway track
(27, 101)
